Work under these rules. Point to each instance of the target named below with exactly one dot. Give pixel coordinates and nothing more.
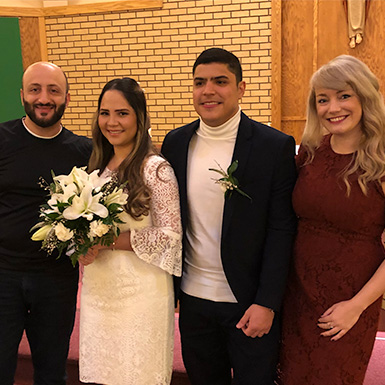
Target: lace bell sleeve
(161, 243)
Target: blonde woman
(127, 303)
(333, 300)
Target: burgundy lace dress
(337, 250)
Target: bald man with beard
(37, 291)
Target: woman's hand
(123, 242)
(91, 255)
(339, 319)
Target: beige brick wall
(158, 48)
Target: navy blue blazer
(257, 234)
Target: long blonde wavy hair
(348, 72)
(130, 170)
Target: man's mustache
(45, 105)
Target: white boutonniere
(229, 182)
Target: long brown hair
(130, 171)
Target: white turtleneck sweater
(203, 274)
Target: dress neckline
(107, 172)
(327, 141)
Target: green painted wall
(11, 69)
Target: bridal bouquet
(82, 211)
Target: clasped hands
(339, 319)
(257, 321)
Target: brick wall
(158, 48)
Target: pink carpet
(375, 374)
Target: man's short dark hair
(220, 55)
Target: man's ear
(22, 96)
(241, 88)
(68, 98)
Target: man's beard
(44, 122)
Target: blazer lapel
(183, 151)
(180, 166)
(241, 153)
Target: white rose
(98, 229)
(63, 233)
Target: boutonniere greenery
(228, 182)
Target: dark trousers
(44, 305)
(215, 352)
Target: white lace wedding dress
(127, 299)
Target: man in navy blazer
(237, 232)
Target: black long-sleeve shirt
(24, 158)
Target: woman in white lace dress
(127, 302)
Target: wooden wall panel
(372, 49)
(80, 8)
(276, 63)
(332, 32)
(293, 127)
(103, 7)
(20, 11)
(297, 49)
(30, 40)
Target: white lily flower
(68, 192)
(85, 206)
(96, 181)
(65, 180)
(80, 177)
(77, 175)
(63, 233)
(117, 196)
(41, 233)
